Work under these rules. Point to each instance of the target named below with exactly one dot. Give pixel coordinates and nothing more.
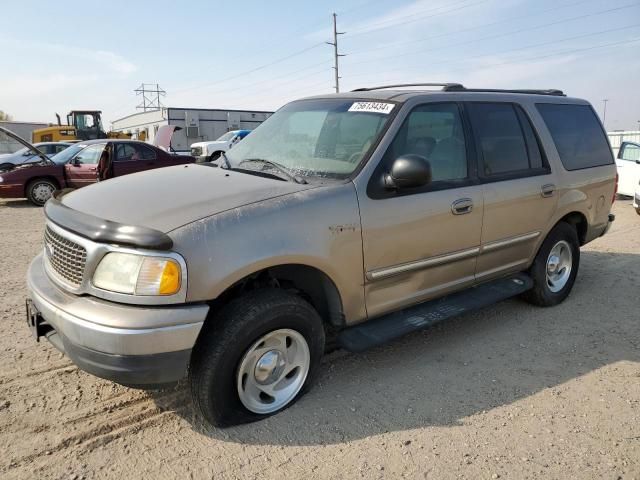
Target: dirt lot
(513, 391)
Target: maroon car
(82, 163)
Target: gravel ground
(512, 391)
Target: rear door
(518, 187)
(133, 157)
(628, 165)
(82, 169)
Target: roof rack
(457, 87)
(382, 87)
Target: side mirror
(77, 161)
(408, 171)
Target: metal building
(22, 129)
(198, 124)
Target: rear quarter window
(577, 135)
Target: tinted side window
(145, 153)
(500, 138)
(124, 151)
(536, 159)
(577, 134)
(433, 131)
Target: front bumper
(132, 345)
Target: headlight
(138, 274)
(1, 179)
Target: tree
(5, 116)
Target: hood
(167, 198)
(163, 136)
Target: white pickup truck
(211, 151)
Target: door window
(630, 152)
(505, 139)
(435, 132)
(89, 155)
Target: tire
(233, 343)
(215, 156)
(552, 285)
(37, 191)
(638, 210)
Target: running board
(418, 317)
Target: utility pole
(151, 93)
(335, 51)
(604, 114)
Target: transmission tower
(151, 93)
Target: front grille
(196, 151)
(67, 258)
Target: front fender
(319, 228)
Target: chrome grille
(66, 258)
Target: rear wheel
(256, 357)
(555, 267)
(40, 190)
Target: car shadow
(465, 366)
(18, 204)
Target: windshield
(65, 155)
(226, 136)
(325, 137)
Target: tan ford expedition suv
(352, 218)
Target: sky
(259, 55)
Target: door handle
(93, 169)
(547, 190)
(462, 206)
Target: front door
(519, 189)
(82, 169)
(422, 243)
(628, 164)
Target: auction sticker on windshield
(372, 107)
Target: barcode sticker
(372, 107)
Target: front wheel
(555, 267)
(256, 357)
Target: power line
(394, 22)
(562, 52)
(246, 72)
(566, 39)
(465, 30)
(499, 35)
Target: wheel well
(579, 222)
(44, 177)
(310, 283)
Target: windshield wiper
(282, 169)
